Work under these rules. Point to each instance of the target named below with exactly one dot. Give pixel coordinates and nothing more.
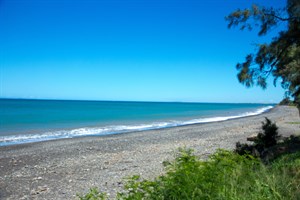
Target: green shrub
(269, 136)
(93, 194)
(225, 175)
(264, 142)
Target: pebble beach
(60, 169)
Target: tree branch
(281, 18)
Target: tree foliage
(280, 57)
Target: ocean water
(23, 121)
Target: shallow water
(24, 121)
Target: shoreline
(58, 169)
(153, 126)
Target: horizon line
(137, 101)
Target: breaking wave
(109, 130)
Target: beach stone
(37, 178)
(24, 197)
(33, 192)
(39, 189)
(42, 188)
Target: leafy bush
(244, 149)
(93, 194)
(189, 178)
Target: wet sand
(61, 168)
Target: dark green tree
(279, 58)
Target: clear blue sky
(140, 50)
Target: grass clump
(93, 194)
(293, 122)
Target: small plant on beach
(93, 194)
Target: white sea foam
(108, 130)
(218, 119)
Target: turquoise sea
(23, 121)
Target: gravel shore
(59, 169)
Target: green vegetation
(262, 142)
(267, 169)
(293, 122)
(281, 57)
(286, 102)
(225, 175)
(93, 194)
(268, 145)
